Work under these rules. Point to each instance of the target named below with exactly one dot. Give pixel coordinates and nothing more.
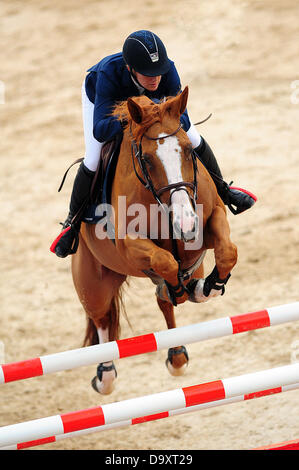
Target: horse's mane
(121, 111)
(152, 112)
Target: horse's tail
(112, 319)
(91, 334)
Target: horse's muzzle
(186, 229)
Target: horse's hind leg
(98, 289)
(103, 381)
(177, 359)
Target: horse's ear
(135, 110)
(179, 103)
(183, 99)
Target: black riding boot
(67, 242)
(237, 199)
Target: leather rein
(146, 179)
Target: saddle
(101, 186)
(100, 191)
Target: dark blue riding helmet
(144, 52)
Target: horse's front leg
(143, 254)
(225, 252)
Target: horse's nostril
(177, 226)
(177, 230)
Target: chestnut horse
(156, 167)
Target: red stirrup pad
(244, 191)
(53, 246)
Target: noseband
(146, 179)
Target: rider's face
(149, 83)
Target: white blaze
(169, 153)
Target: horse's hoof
(180, 367)
(101, 387)
(197, 294)
(103, 382)
(176, 371)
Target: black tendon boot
(237, 199)
(67, 242)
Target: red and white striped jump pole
(153, 417)
(288, 445)
(149, 405)
(149, 343)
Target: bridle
(146, 181)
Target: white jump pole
(150, 404)
(149, 343)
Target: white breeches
(194, 136)
(93, 147)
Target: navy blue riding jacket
(110, 81)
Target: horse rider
(142, 68)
